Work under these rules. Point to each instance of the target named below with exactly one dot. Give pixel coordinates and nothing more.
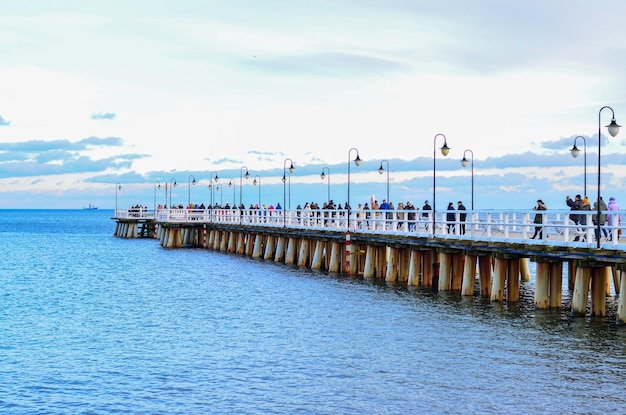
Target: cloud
(3, 122)
(103, 116)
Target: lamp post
(218, 188)
(323, 176)
(117, 187)
(464, 163)
(157, 185)
(613, 128)
(291, 170)
(575, 152)
(241, 182)
(189, 183)
(444, 150)
(255, 183)
(211, 185)
(172, 185)
(381, 170)
(231, 183)
(357, 162)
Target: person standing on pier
(539, 219)
(612, 219)
(425, 213)
(451, 218)
(462, 217)
(574, 205)
(602, 218)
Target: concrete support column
(581, 291)
(415, 265)
(556, 284)
(317, 255)
(445, 268)
(469, 275)
(391, 272)
(427, 268)
(232, 237)
(512, 284)
(499, 278)
(598, 291)
(571, 275)
(524, 269)
(616, 280)
(542, 285)
(224, 242)
(381, 262)
(303, 256)
(370, 269)
(456, 272)
(250, 240)
(291, 251)
(258, 246)
(621, 306)
(269, 247)
(335, 258)
(280, 250)
(241, 243)
(354, 263)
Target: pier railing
(557, 228)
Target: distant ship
(90, 207)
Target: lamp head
(464, 162)
(575, 151)
(247, 175)
(445, 149)
(254, 182)
(216, 178)
(284, 178)
(322, 175)
(194, 181)
(230, 183)
(357, 160)
(613, 128)
(380, 169)
(291, 168)
(174, 183)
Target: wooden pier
(413, 255)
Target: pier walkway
(491, 256)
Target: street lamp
(613, 128)
(444, 150)
(575, 152)
(464, 163)
(241, 182)
(172, 185)
(117, 187)
(231, 183)
(211, 185)
(357, 162)
(255, 183)
(157, 185)
(189, 183)
(218, 188)
(291, 170)
(323, 176)
(381, 170)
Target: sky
(104, 103)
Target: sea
(95, 324)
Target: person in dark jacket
(451, 217)
(539, 219)
(462, 217)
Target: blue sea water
(94, 324)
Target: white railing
(480, 225)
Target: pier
(490, 259)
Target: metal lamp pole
(444, 150)
(323, 176)
(464, 163)
(241, 182)
(357, 162)
(613, 128)
(291, 170)
(381, 170)
(189, 183)
(575, 152)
